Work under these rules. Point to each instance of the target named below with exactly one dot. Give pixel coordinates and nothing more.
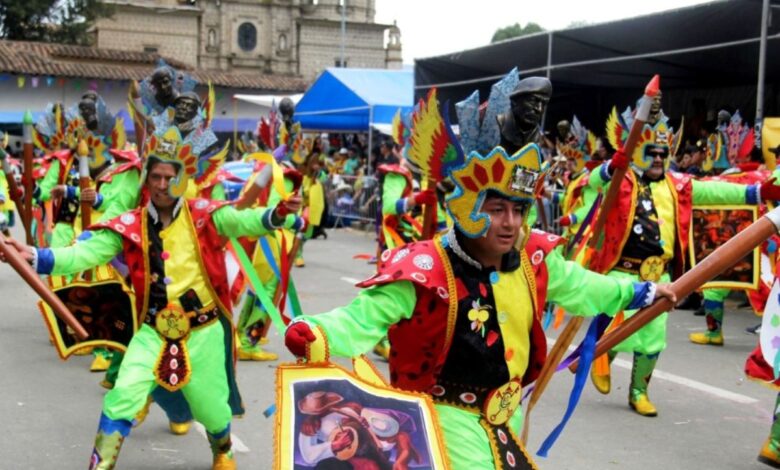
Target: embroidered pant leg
(243, 327)
(713, 308)
(136, 376)
(641, 372)
(207, 391)
(110, 436)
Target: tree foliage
(61, 21)
(515, 30)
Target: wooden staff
(252, 193)
(429, 215)
(85, 182)
(14, 191)
(27, 148)
(31, 278)
(715, 263)
(574, 324)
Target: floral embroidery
(478, 315)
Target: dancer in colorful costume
(646, 233)
(740, 143)
(175, 253)
(253, 321)
(7, 205)
(577, 150)
(463, 310)
(113, 175)
(185, 113)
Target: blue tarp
(347, 99)
(15, 117)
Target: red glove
(297, 336)
(619, 161)
(564, 221)
(290, 206)
(424, 197)
(770, 191)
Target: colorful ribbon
(580, 378)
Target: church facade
(277, 37)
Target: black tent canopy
(707, 56)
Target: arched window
(212, 41)
(282, 42)
(247, 36)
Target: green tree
(515, 30)
(61, 21)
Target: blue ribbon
(588, 350)
(294, 305)
(548, 316)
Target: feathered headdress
(432, 148)
(518, 177)
(740, 140)
(168, 146)
(49, 133)
(658, 135)
(581, 147)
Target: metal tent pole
(761, 71)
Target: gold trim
(494, 445)
(297, 371)
(452, 293)
(754, 285)
(185, 353)
(65, 352)
(530, 276)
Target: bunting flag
(49, 81)
(20, 81)
(34, 81)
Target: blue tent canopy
(353, 99)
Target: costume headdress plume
(740, 140)
(659, 135)
(49, 133)
(581, 147)
(433, 150)
(169, 147)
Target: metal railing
(355, 200)
(352, 199)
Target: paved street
(710, 417)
